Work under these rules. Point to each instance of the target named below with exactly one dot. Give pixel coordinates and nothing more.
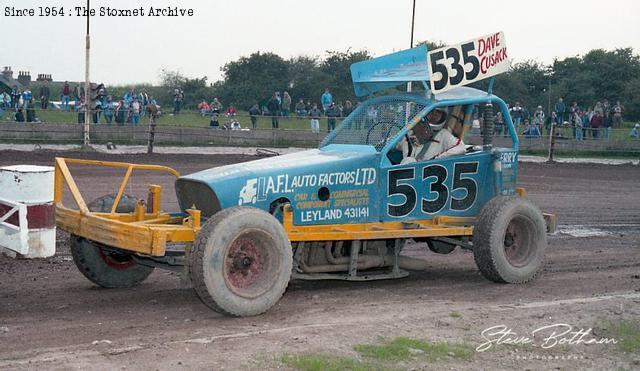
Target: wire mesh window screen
(375, 122)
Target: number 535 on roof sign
(467, 62)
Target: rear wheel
(241, 261)
(509, 240)
(103, 265)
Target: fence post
(552, 141)
(152, 111)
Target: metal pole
(87, 81)
(552, 130)
(413, 22)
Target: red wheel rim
(518, 241)
(250, 267)
(118, 262)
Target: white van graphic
(249, 193)
(252, 191)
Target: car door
(453, 186)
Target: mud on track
(50, 314)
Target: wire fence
(177, 135)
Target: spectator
(18, 115)
(279, 100)
(143, 97)
(347, 109)
(15, 97)
(315, 114)
(326, 99)
(572, 110)
(577, 123)
(596, 123)
(560, 109)
(586, 119)
(64, 98)
(178, 96)
(531, 130)
(300, 108)
(538, 118)
(26, 97)
(618, 110)
(598, 109)
(215, 115)
(5, 101)
(78, 95)
(216, 105)
(607, 107)
(31, 110)
(608, 122)
(45, 92)
(231, 111)
(635, 132)
(499, 123)
(204, 108)
(308, 106)
(80, 108)
(96, 111)
(516, 115)
(121, 113)
(286, 104)
(254, 111)
(274, 110)
(332, 112)
(135, 111)
(108, 108)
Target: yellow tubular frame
(141, 231)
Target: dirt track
(50, 315)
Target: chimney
(7, 72)
(44, 77)
(24, 78)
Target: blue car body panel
(360, 181)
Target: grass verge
(404, 349)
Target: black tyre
(241, 261)
(509, 240)
(103, 265)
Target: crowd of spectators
(593, 122)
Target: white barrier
(27, 213)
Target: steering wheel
(380, 143)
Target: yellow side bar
(123, 185)
(142, 238)
(63, 172)
(437, 227)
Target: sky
(135, 49)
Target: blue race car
(396, 169)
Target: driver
(448, 141)
(416, 144)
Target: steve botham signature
(545, 337)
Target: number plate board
(467, 62)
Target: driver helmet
(436, 123)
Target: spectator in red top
(66, 91)
(231, 110)
(596, 123)
(204, 107)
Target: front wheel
(241, 261)
(509, 240)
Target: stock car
(342, 211)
